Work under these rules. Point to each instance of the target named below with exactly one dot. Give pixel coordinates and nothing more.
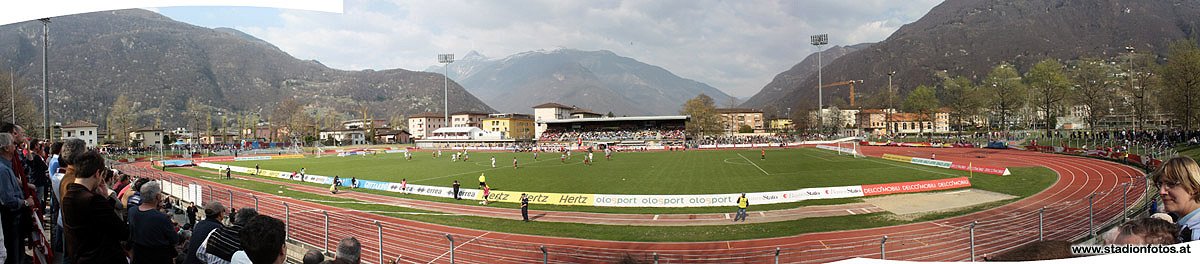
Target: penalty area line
(755, 164)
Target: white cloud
(736, 46)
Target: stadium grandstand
(633, 131)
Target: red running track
(1066, 217)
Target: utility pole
(12, 96)
(446, 59)
(45, 71)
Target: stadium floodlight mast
(446, 59)
(45, 92)
(819, 40)
(1136, 119)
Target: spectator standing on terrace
(191, 214)
(348, 251)
(11, 198)
(93, 230)
(1179, 185)
(1147, 231)
(262, 242)
(455, 186)
(742, 203)
(525, 207)
(152, 234)
(214, 213)
(313, 256)
(221, 244)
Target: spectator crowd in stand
(96, 214)
(554, 135)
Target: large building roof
(80, 123)
(737, 110)
(468, 113)
(617, 119)
(553, 105)
(427, 115)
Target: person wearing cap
(1179, 186)
(214, 213)
(742, 203)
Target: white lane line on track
(458, 246)
(851, 212)
(755, 164)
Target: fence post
(255, 201)
(973, 223)
(882, 249)
(287, 220)
(451, 238)
(1041, 224)
(1091, 218)
(545, 255)
(381, 247)
(231, 199)
(776, 255)
(326, 248)
(1124, 202)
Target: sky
(735, 46)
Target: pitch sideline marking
(755, 164)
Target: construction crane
(849, 83)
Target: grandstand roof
(583, 111)
(616, 119)
(553, 105)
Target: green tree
(196, 114)
(922, 101)
(122, 117)
(1095, 87)
(1049, 87)
(963, 98)
(704, 119)
(1181, 78)
(1005, 92)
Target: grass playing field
(690, 172)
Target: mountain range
(160, 64)
(601, 81)
(969, 37)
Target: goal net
(849, 148)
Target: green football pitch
(686, 172)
